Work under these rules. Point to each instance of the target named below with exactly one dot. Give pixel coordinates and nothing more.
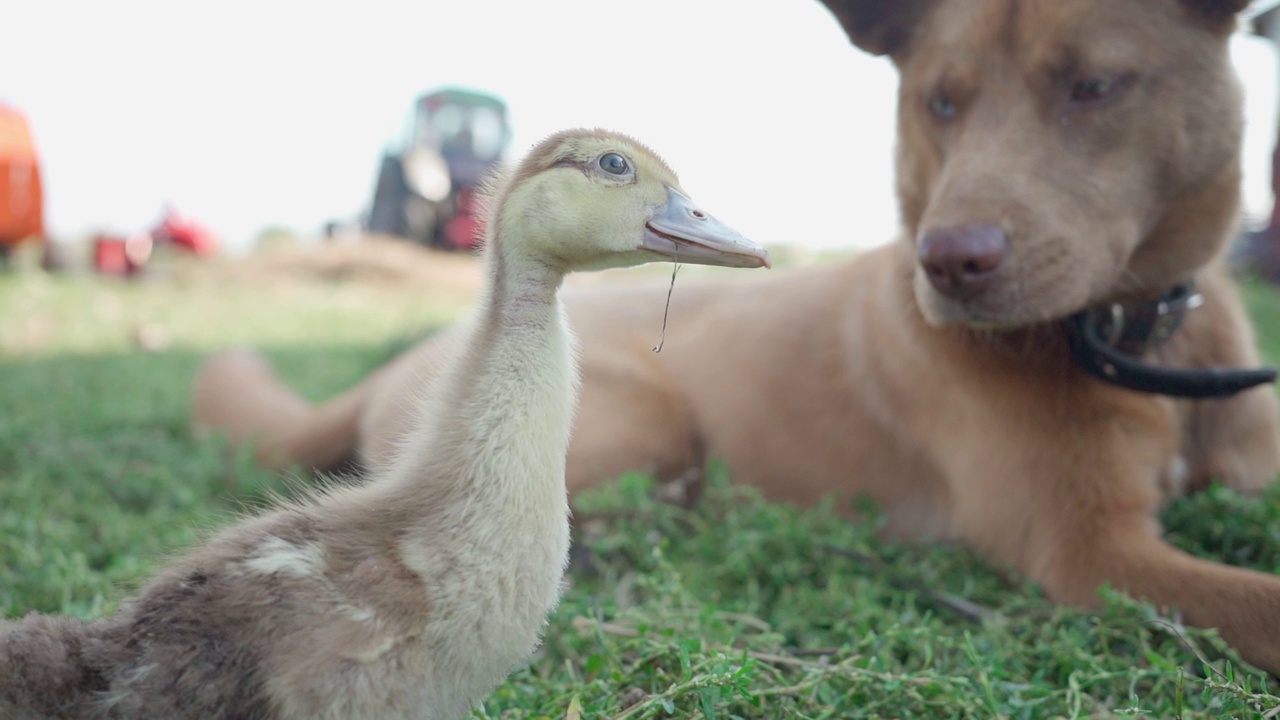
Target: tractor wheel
(388, 216)
(422, 220)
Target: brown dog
(1054, 155)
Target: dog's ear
(880, 27)
(1220, 13)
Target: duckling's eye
(614, 164)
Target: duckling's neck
(498, 421)
(480, 483)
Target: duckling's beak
(682, 231)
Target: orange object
(21, 199)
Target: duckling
(413, 594)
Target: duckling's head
(587, 199)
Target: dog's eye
(942, 107)
(1092, 90)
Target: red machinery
(115, 254)
(185, 233)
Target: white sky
(249, 114)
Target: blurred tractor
(426, 186)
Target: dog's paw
(1248, 474)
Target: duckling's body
(415, 594)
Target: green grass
(1264, 306)
(736, 607)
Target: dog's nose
(962, 261)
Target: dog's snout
(962, 261)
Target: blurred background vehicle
(425, 191)
(128, 254)
(184, 232)
(21, 196)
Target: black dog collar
(1108, 340)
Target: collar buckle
(1138, 328)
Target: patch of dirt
(372, 260)
(397, 265)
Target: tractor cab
(451, 139)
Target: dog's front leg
(1076, 512)
(1122, 551)
(1234, 441)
